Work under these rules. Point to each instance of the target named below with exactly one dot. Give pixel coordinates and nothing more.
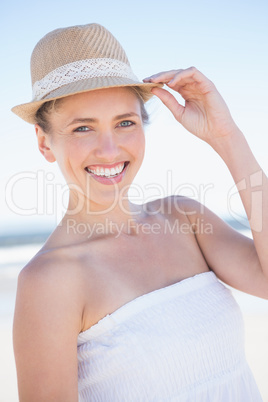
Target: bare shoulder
(47, 321)
(51, 269)
(175, 206)
(51, 281)
(189, 210)
(185, 205)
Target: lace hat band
(81, 70)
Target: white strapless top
(184, 342)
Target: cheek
(141, 147)
(73, 152)
(82, 146)
(137, 144)
(80, 149)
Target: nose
(107, 148)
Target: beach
(12, 259)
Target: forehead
(102, 97)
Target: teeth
(107, 172)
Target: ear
(44, 144)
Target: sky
(227, 41)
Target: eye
(126, 123)
(82, 129)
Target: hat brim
(27, 111)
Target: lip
(106, 180)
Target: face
(98, 141)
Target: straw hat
(76, 59)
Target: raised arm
(46, 323)
(207, 116)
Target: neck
(95, 220)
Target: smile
(107, 172)
(103, 172)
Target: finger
(164, 76)
(189, 76)
(170, 101)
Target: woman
(136, 304)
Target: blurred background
(227, 41)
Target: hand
(205, 113)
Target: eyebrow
(93, 120)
